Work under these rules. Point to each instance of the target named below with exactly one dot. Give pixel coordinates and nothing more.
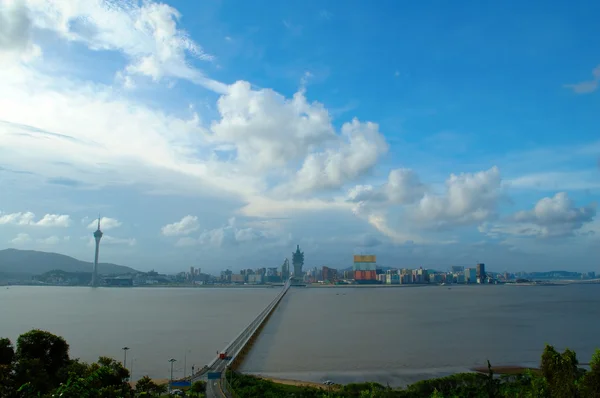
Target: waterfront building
(255, 279)
(365, 267)
(237, 278)
(226, 276)
(285, 270)
(298, 262)
(481, 275)
(457, 268)
(471, 275)
(329, 274)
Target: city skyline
(215, 135)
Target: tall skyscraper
(97, 236)
(285, 270)
(298, 262)
(481, 272)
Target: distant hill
(30, 262)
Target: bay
(188, 324)
(391, 335)
(401, 335)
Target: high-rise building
(365, 267)
(481, 275)
(285, 270)
(471, 275)
(329, 274)
(298, 262)
(192, 272)
(97, 236)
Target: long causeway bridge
(215, 373)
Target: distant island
(24, 264)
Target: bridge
(216, 371)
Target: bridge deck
(235, 351)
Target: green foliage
(41, 367)
(146, 387)
(39, 358)
(590, 382)
(199, 387)
(7, 352)
(561, 372)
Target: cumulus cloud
(588, 86)
(268, 130)
(555, 216)
(470, 198)
(106, 223)
(185, 226)
(230, 234)
(28, 218)
(402, 187)
(21, 239)
(360, 150)
(15, 33)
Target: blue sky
(220, 134)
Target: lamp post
(185, 363)
(125, 357)
(192, 370)
(172, 360)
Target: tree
(199, 387)
(7, 352)
(590, 382)
(561, 372)
(52, 351)
(146, 385)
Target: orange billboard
(359, 258)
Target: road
(216, 388)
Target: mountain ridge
(33, 262)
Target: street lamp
(185, 363)
(172, 360)
(125, 357)
(192, 370)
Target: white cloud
(28, 218)
(21, 239)
(588, 86)
(229, 235)
(15, 34)
(55, 220)
(267, 129)
(106, 223)
(17, 218)
(469, 199)
(146, 33)
(555, 216)
(185, 226)
(51, 240)
(359, 151)
(402, 187)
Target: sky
(220, 134)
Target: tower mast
(97, 236)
